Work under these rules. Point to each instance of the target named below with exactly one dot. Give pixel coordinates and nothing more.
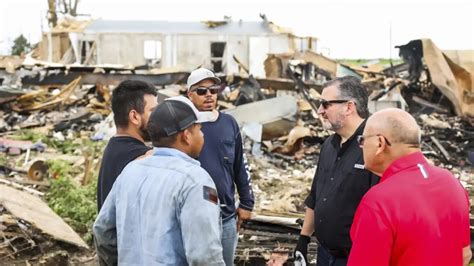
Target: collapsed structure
(217, 45)
(276, 112)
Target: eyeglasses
(362, 138)
(325, 103)
(214, 89)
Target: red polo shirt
(417, 215)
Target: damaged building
(224, 46)
(61, 111)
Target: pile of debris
(278, 120)
(31, 231)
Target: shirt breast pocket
(228, 151)
(355, 184)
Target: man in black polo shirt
(132, 103)
(341, 179)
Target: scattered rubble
(62, 112)
(29, 228)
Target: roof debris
(70, 104)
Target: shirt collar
(174, 153)
(336, 141)
(402, 163)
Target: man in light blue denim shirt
(164, 209)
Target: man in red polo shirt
(419, 213)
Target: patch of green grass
(76, 204)
(3, 160)
(27, 134)
(66, 146)
(61, 168)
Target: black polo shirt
(338, 186)
(117, 154)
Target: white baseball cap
(201, 117)
(201, 74)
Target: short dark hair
(350, 88)
(128, 96)
(164, 141)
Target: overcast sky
(346, 29)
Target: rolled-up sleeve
(201, 224)
(105, 232)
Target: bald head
(395, 124)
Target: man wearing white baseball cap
(164, 209)
(223, 158)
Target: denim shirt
(160, 212)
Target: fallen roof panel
(33, 210)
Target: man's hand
(242, 215)
(301, 250)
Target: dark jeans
(326, 259)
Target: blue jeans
(326, 259)
(229, 240)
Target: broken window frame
(88, 52)
(217, 56)
(153, 51)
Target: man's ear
(134, 117)
(186, 136)
(381, 147)
(189, 94)
(351, 107)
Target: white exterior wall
(187, 51)
(195, 50)
(124, 49)
(261, 46)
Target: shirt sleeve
(310, 200)
(105, 232)
(372, 238)
(466, 226)
(201, 225)
(242, 176)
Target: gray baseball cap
(201, 74)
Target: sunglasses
(203, 90)
(325, 104)
(361, 139)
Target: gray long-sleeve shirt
(162, 210)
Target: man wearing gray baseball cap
(164, 209)
(223, 158)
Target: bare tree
(65, 6)
(70, 7)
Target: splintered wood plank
(33, 210)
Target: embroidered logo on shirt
(359, 166)
(210, 194)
